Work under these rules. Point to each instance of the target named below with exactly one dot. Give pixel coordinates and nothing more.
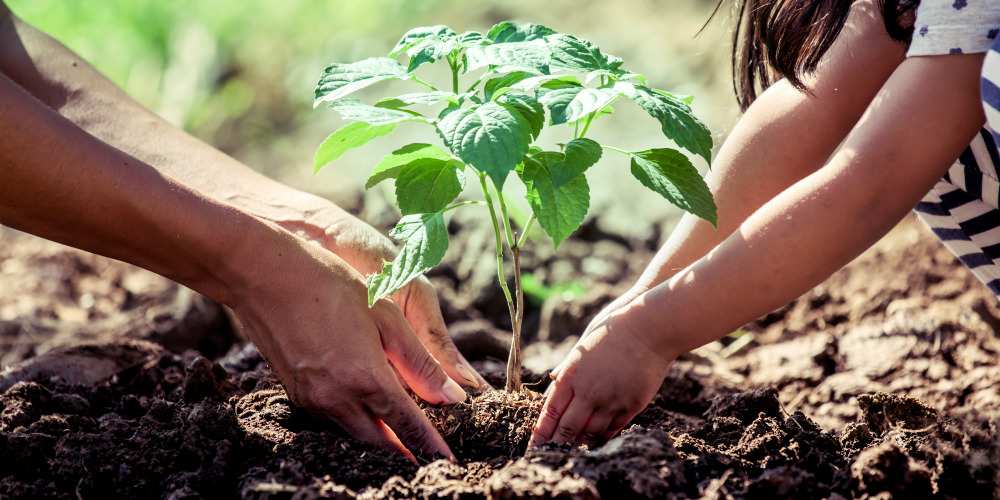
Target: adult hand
(606, 380)
(185, 210)
(365, 249)
(306, 310)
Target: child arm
(785, 135)
(913, 130)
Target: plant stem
(586, 125)
(464, 203)
(454, 74)
(517, 312)
(514, 358)
(524, 233)
(506, 218)
(501, 275)
(620, 150)
(475, 83)
(424, 83)
(516, 309)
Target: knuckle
(566, 432)
(441, 340)
(368, 390)
(566, 373)
(552, 412)
(428, 368)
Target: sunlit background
(240, 74)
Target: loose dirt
(882, 382)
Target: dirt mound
(881, 382)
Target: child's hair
(787, 38)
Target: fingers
(597, 427)
(618, 422)
(424, 315)
(408, 423)
(572, 422)
(362, 425)
(415, 365)
(558, 398)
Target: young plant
(519, 79)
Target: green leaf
(423, 98)
(472, 39)
(557, 100)
(588, 100)
(340, 80)
(560, 209)
(575, 54)
(547, 81)
(686, 99)
(494, 85)
(349, 136)
(490, 137)
(391, 165)
(355, 110)
(510, 31)
(425, 241)
(429, 50)
(677, 121)
(530, 56)
(428, 185)
(529, 107)
(615, 75)
(416, 35)
(578, 156)
(670, 173)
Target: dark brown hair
(787, 38)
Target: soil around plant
(881, 382)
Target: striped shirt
(962, 208)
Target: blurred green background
(240, 74)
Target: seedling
(506, 86)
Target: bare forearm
(784, 136)
(69, 85)
(893, 157)
(59, 182)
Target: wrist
(232, 257)
(316, 219)
(642, 317)
(277, 203)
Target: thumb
(423, 313)
(415, 365)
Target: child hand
(605, 381)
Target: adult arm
(74, 89)
(304, 307)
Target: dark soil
(882, 382)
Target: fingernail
(453, 392)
